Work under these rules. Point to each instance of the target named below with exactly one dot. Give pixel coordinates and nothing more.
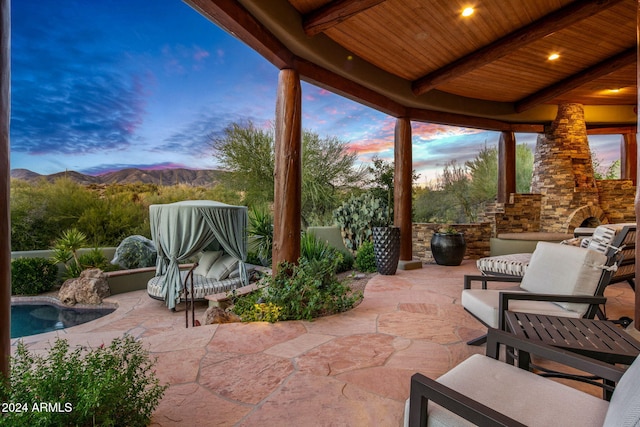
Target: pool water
(36, 318)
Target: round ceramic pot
(448, 248)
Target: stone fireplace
(564, 192)
(563, 174)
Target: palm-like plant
(66, 248)
(261, 229)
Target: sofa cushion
(564, 270)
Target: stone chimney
(563, 173)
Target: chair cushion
(531, 399)
(222, 267)
(206, 261)
(483, 303)
(624, 409)
(564, 270)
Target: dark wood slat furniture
(597, 339)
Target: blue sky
(103, 85)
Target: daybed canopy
(180, 230)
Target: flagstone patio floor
(350, 369)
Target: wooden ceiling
(423, 59)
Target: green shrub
(96, 259)
(312, 248)
(297, 292)
(365, 258)
(261, 233)
(106, 386)
(31, 276)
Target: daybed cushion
(206, 261)
(222, 267)
(564, 270)
(201, 286)
(529, 398)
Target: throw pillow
(206, 261)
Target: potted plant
(448, 246)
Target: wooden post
(288, 170)
(402, 186)
(636, 311)
(5, 179)
(629, 157)
(506, 166)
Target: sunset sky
(104, 85)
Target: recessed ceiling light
(468, 11)
(615, 90)
(553, 57)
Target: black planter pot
(448, 249)
(386, 247)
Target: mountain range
(195, 177)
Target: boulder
(218, 315)
(90, 288)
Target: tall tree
(328, 167)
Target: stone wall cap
(540, 235)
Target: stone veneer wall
(477, 237)
(616, 197)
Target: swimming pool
(30, 317)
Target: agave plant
(261, 230)
(66, 248)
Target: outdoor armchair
(482, 390)
(561, 280)
(611, 239)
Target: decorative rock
(218, 315)
(90, 288)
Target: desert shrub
(96, 259)
(65, 251)
(135, 252)
(31, 276)
(313, 249)
(365, 258)
(107, 386)
(304, 291)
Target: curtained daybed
(184, 229)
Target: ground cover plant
(298, 292)
(111, 385)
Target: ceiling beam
(231, 16)
(601, 69)
(549, 24)
(333, 13)
(611, 129)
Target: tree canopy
(328, 168)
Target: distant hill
(195, 177)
